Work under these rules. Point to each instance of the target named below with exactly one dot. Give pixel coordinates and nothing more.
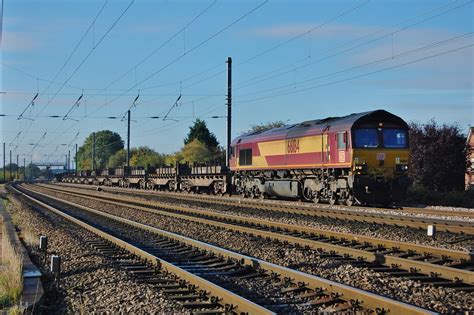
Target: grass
(11, 276)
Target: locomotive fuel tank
(282, 188)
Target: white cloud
(18, 42)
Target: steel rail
(216, 219)
(369, 300)
(453, 226)
(415, 210)
(228, 297)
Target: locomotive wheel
(349, 200)
(333, 199)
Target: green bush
(420, 195)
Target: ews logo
(292, 146)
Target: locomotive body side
(323, 160)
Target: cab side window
(245, 157)
(341, 141)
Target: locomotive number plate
(380, 156)
(293, 146)
(342, 156)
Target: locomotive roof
(333, 122)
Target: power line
(364, 43)
(37, 77)
(202, 43)
(357, 76)
(268, 50)
(156, 50)
(352, 47)
(147, 57)
(95, 46)
(385, 59)
(187, 52)
(77, 45)
(89, 54)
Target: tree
(171, 159)
(437, 160)
(196, 152)
(117, 160)
(200, 132)
(141, 156)
(144, 156)
(107, 143)
(12, 165)
(266, 126)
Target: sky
(291, 61)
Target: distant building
(470, 160)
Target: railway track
(454, 226)
(437, 266)
(195, 263)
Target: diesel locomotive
(359, 158)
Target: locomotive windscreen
(375, 138)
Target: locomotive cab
(380, 158)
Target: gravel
(406, 234)
(89, 280)
(442, 300)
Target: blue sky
(293, 61)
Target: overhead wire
(187, 25)
(111, 27)
(374, 62)
(357, 76)
(185, 53)
(389, 33)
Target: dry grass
(11, 273)
(11, 278)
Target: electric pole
(75, 159)
(17, 168)
(229, 107)
(93, 151)
(24, 168)
(128, 138)
(68, 160)
(10, 177)
(4, 169)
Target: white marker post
(431, 231)
(56, 267)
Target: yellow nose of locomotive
(388, 163)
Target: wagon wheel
(333, 199)
(316, 197)
(150, 185)
(218, 191)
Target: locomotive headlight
(401, 167)
(361, 167)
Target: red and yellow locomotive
(356, 158)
